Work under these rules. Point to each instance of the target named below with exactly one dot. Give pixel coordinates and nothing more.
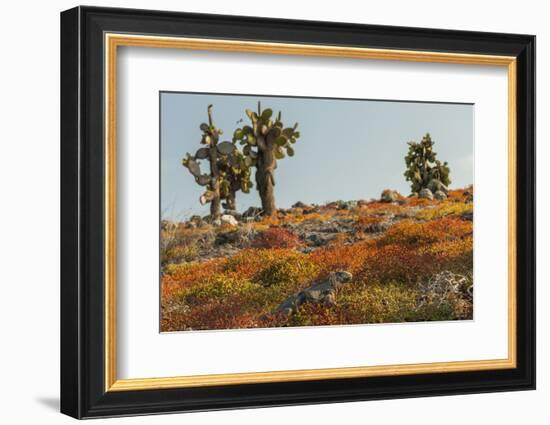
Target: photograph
(285, 207)
(281, 211)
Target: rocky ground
(305, 248)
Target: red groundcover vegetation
(227, 277)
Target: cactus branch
(424, 170)
(270, 142)
(210, 115)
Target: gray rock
(440, 195)
(390, 196)
(252, 212)
(229, 219)
(409, 213)
(234, 237)
(345, 205)
(426, 194)
(196, 221)
(445, 287)
(318, 239)
(348, 205)
(239, 237)
(310, 210)
(228, 250)
(434, 185)
(290, 225)
(379, 227)
(300, 204)
(168, 225)
(467, 216)
(233, 213)
(331, 228)
(387, 215)
(207, 238)
(468, 196)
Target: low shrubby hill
(395, 259)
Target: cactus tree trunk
(214, 173)
(267, 141)
(230, 202)
(215, 202)
(264, 177)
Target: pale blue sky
(348, 149)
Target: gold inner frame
(113, 41)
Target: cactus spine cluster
(229, 169)
(423, 167)
(265, 142)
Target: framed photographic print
(261, 212)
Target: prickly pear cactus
(424, 170)
(235, 175)
(229, 170)
(265, 142)
(210, 137)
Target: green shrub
(287, 269)
(217, 288)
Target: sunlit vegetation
(396, 259)
(276, 237)
(391, 249)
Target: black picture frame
(82, 212)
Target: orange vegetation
(242, 290)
